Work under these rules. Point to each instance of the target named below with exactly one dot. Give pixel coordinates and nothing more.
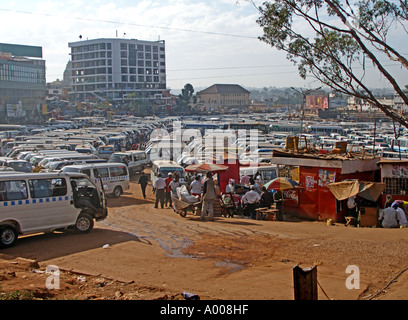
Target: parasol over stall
(280, 184)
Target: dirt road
(144, 253)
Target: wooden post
(305, 283)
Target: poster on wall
(400, 171)
(309, 181)
(326, 177)
(15, 110)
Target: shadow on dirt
(125, 200)
(45, 246)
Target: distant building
(54, 88)
(118, 69)
(22, 82)
(220, 96)
(400, 105)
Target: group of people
(165, 189)
(394, 214)
(256, 197)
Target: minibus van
(105, 151)
(267, 173)
(164, 167)
(114, 176)
(136, 160)
(45, 202)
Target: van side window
(118, 171)
(40, 188)
(59, 187)
(140, 156)
(13, 190)
(86, 171)
(102, 172)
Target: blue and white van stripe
(34, 201)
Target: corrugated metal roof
(224, 88)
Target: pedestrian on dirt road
(208, 197)
(158, 189)
(167, 191)
(143, 183)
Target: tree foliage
(333, 40)
(187, 96)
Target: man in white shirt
(196, 187)
(388, 218)
(158, 188)
(250, 200)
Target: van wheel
(117, 192)
(84, 223)
(8, 236)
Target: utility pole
(304, 94)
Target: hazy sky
(207, 41)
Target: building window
(123, 46)
(395, 185)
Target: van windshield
(106, 150)
(115, 158)
(22, 166)
(165, 172)
(66, 169)
(269, 175)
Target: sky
(207, 41)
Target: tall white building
(117, 69)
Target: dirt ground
(143, 253)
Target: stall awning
(364, 189)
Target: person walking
(173, 185)
(158, 189)
(143, 183)
(208, 197)
(168, 201)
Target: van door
(118, 180)
(103, 174)
(51, 204)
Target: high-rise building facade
(117, 69)
(22, 82)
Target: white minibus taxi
(136, 160)
(114, 176)
(44, 202)
(164, 167)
